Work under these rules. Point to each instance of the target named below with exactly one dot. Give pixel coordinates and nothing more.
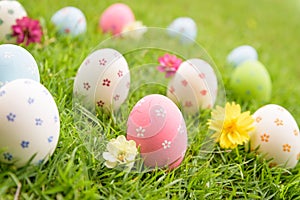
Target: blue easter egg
(241, 54)
(69, 21)
(16, 63)
(183, 27)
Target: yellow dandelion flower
(230, 125)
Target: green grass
(271, 26)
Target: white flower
(166, 144)
(120, 151)
(140, 131)
(181, 129)
(160, 112)
(134, 30)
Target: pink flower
(27, 31)
(168, 64)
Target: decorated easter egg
(276, 135)
(16, 62)
(251, 81)
(69, 21)
(158, 128)
(103, 80)
(241, 54)
(115, 18)
(183, 27)
(194, 86)
(10, 11)
(29, 119)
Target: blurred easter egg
(10, 11)
(115, 18)
(158, 128)
(103, 80)
(276, 136)
(194, 86)
(183, 27)
(69, 21)
(29, 121)
(241, 54)
(251, 81)
(15, 63)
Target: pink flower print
(184, 83)
(120, 73)
(102, 62)
(172, 90)
(116, 97)
(106, 82)
(27, 31)
(202, 75)
(100, 103)
(67, 30)
(203, 92)
(87, 62)
(188, 104)
(128, 85)
(169, 64)
(86, 85)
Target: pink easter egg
(115, 18)
(158, 128)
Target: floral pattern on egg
(29, 123)
(276, 135)
(102, 80)
(10, 11)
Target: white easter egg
(29, 121)
(15, 63)
(241, 54)
(10, 11)
(103, 80)
(69, 21)
(194, 86)
(183, 27)
(276, 135)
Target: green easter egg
(250, 81)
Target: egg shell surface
(115, 18)
(158, 128)
(194, 86)
(15, 63)
(10, 11)
(29, 121)
(69, 21)
(276, 135)
(183, 27)
(251, 81)
(103, 80)
(241, 54)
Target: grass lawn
(271, 26)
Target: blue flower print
(30, 100)
(38, 122)
(11, 117)
(24, 144)
(2, 93)
(7, 156)
(50, 139)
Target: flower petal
(110, 164)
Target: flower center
(121, 156)
(230, 126)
